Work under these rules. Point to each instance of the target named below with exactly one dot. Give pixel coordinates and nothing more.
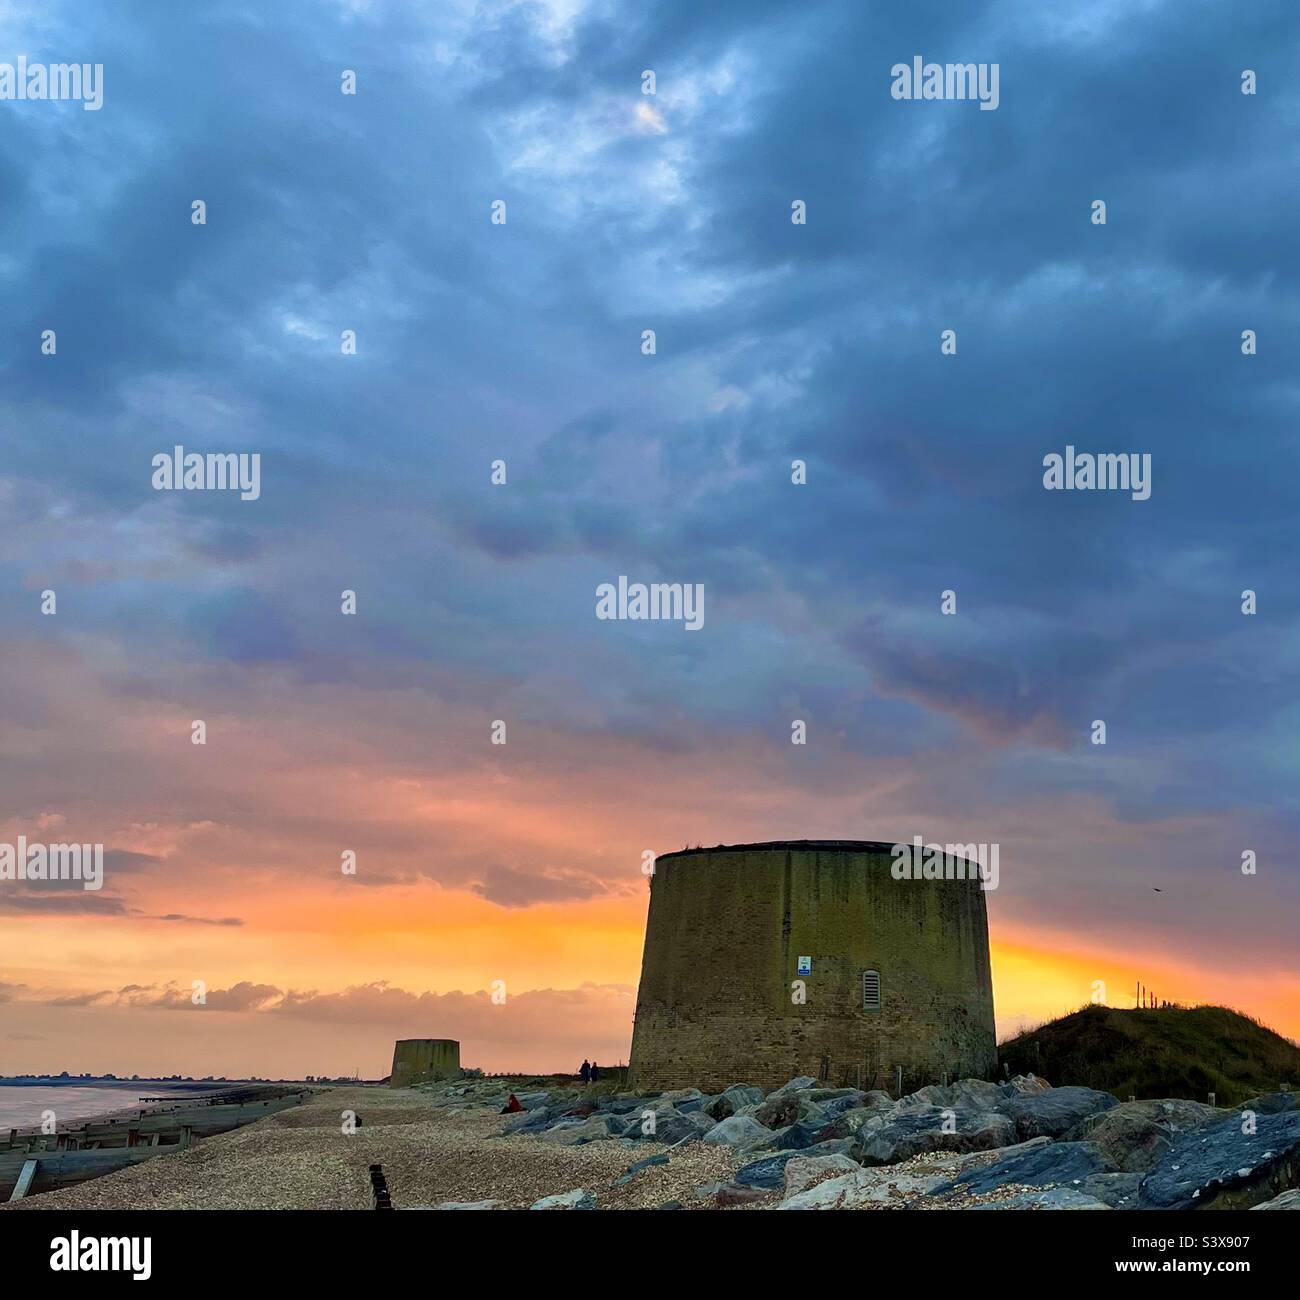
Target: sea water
(22, 1107)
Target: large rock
(626, 1105)
(780, 1110)
(1119, 1191)
(836, 1106)
(676, 1129)
(1052, 1164)
(577, 1199)
(720, 1107)
(529, 1121)
(878, 1100)
(862, 1189)
(977, 1094)
(678, 1095)
(1222, 1166)
(851, 1122)
(1025, 1085)
(554, 1130)
(965, 1094)
(1054, 1112)
(802, 1134)
(960, 1164)
(1135, 1135)
(901, 1135)
(803, 1083)
(662, 1105)
(769, 1171)
(1287, 1201)
(1272, 1103)
(634, 1123)
(1047, 1198)
(701, 1126)
(670, 1125)
(806, 1171)
(656, 1106)
(739, 1131)
(773, 1139)
(593, 1129)
(736, 1099)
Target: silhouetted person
(585, 1072)
(595, 1072)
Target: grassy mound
(1170, 1052)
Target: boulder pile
(973, 1144)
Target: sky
(518, 866)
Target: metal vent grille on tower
(871, 990)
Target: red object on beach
(512, 1105)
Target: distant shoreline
(158, 1118)
(63, 1081)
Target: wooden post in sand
(379, 1195)
(24, 1181)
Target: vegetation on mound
(1166, 1052)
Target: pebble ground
(301, 1159)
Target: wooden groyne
(32, 1161)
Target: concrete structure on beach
(810, 957)
(416, 1060)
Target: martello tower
(895, 972)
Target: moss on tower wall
(725, 931)
(416, 1060)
